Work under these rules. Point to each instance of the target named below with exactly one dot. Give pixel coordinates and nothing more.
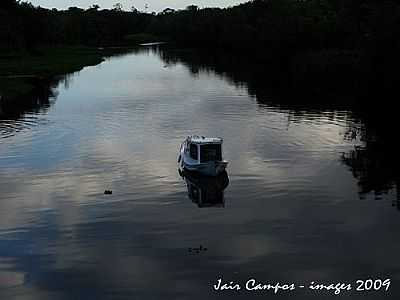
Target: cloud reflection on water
(292, 210)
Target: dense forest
(338, 47)
(322, 44)
(316, 42)
(25, 27)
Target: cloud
(153, 5)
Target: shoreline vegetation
(38, 45)
(317, 47)
(20, 74)
(316, 53)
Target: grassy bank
(20, 73)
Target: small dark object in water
(197, 250)
(107, 192)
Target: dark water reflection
(374, 162)
(292, 209)
(206, 191)
(19, 113)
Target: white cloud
(153, 5)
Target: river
(296, 209)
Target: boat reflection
(206, 191)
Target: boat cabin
(204, 150)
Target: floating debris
(107, 192)
(197, 250)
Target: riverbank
(21, 73)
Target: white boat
(202, 154)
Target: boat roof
(205, 140)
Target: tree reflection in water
(375, 164)
(13, 110)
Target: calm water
(293, 210)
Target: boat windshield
(193, 151)
(210, 152)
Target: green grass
(19, 72)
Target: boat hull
(206, 191)
(212, 168)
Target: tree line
(25, 27)
(291, 24)
(356, 40)
(270, 25)
(346, 40)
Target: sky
(153, 5)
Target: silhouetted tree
(118, 7)
(24, 27)
(317, 42)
